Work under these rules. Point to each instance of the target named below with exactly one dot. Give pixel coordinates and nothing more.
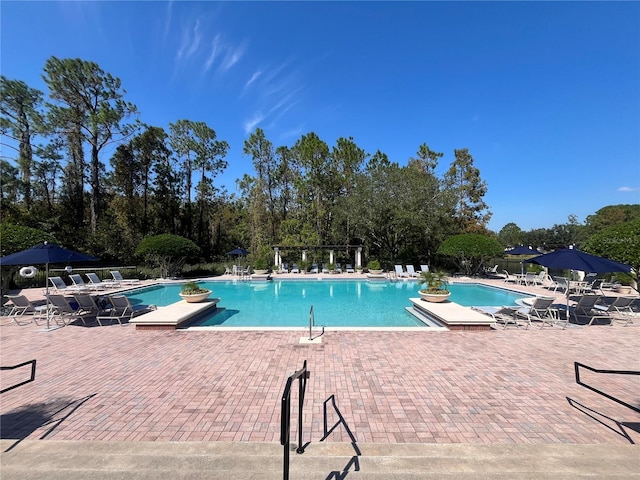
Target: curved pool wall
(337, 303)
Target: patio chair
(87, 306)
(338, 268)
(619, 309)
(295, 268)
(586, 307)
(121, 309)
(61, 310)
(502, 315)
(325, 268)
(349, 268)
(400, 273)
(530, 279)
(561, 283)
(284, 268)
(541, 310)
(21, 306)
(117, 277)
(314, 268)
(510, 278)
(227, 270)
(411, 272)
(59, 286)
(424, 268)
(95, 282)
(79, 282)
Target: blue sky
(545, 95)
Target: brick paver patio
(499, 387)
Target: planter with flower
(192, 293)
(435, 290)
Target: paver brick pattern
(497, 387)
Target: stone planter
(196, 297)
(375, 272)
(434, 297)
(261, 272)
(624, 289)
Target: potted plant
(192, 293)
(374, 267)
(261, 266)
(436, 283)
(303, 266)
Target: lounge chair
(61, 310)
(561, 283)
(503, 315)
(338, 268)
(121, 309)
(619, 309)
(325, 269)
(400, 273)
(87, 306)
(491, 271)
(424, 268)
(59, 286)
(227, 270)
(349, 268)
(117, 277)
(541, 310)
(586, 307)
(79, 282)
(411, 272)
(530, 279)
(295, 268)
(314, 268)
(510, 278)
(95, 282)
(21, 306)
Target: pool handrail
(285, 422)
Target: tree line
(163, 181)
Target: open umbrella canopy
(573, 259)
(238, 251)
(522, 250)
(46, 253)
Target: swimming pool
(282, 303)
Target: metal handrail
(285, 423)
(577, 366)
(312, 322)
(12, 367)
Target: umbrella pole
(47, 295)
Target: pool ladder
(312, 324)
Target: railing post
(311, 322)
(285, 421)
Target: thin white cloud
(233, 56)
(253, 78)
(191, 39)
(215, 50)
(167, 23)
(249, 125)
(629, 189)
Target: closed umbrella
(46, 253)
(238, 251)
(573, 259)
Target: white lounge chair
(95, 282)
(295, 269)
(79, 282)
(349, 268)
(400, 273)
(411, 272)
(117, 277)
(510, 278)
(61, 310)
(314, 268)
(424, 268)
(60, 287)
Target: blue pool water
(282, 303)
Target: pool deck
(500, 387)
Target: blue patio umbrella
(46, 253)
(238, 251)
(522, 250)
(573, 259)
